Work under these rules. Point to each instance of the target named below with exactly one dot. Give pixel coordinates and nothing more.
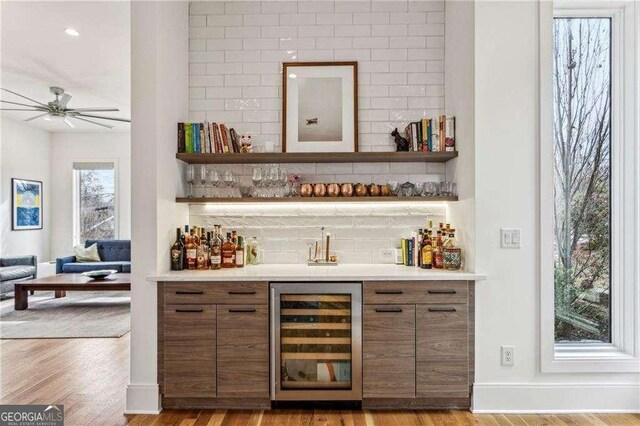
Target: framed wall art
(320, 107)
(26, 204)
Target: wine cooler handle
(241, 292)
(441, 291)
(388, 291)
(242, 310)
(396, 310)
(189, 310)
(442, 309)
(189, 292)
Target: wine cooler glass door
(316, 341)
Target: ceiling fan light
(72, 32)
(47, 118)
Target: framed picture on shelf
(320, 107)
(26, 204)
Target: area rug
(78, 314)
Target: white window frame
(623, 353)
(76, 199)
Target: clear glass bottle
(191, 250)
(177, 252)
(240, 252)
(216, 250)
(253, 252)
(228, 253)
(452, 253)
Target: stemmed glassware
(282, 181)
(214, 181)
(257, 178)
(203, 180)
(190, 179)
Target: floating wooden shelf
(202, 200)
(322, 157)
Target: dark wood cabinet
(190, 351)
(243, 351)
(389, 363)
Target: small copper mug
(306, 190)
(385, 191)
(361, 190)
(333, 190)
(319, 190)
(374, 190)
(346, 189)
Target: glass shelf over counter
(203, 200)
(323, 157)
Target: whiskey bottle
(184, 246)
(452, 253)
(202, 253)
(177, 252)
(240, 252)
(438, 257)
(192, 252)
(427, 254)
(216, 250)
(228, 253)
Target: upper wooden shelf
(335, 157)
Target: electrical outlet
(387, 256)
(508, 355)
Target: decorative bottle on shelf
(177, 252)
(202, 252)
(427, 253)
(228, 253)
(253, 252)
(216, 250)
(240, 252)
(438, 257)
(191, 251)
(452, 253)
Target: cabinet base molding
(415, 403)
(217, 403)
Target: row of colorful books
(207, 138)
(432, 134)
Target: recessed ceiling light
(72, 32)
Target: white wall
(236, 51)
(25, 155)
(507, 313)
(70, 147)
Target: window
(589, 160)
(95, 201)
(582, 178)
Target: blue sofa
(114, 254)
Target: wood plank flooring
(89, 377)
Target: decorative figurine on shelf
(401, 143)
(245, 144)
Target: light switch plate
(510, 237)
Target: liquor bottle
(184, 247)
(234, 237)
(191, 251)
(216, 250)
(427, 254)
(253, 253)
(240, 252)
(177, 252)
(438, 257)
(202, 253)
(452, 253)
(228, 253)
(419, 245)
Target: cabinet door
(389, 363)
(190, 351)
(243, 351)
(442, 351)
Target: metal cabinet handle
(242, 310)
(388, 291)
(189, 310)
(441, 291)
(242, 292)
(189, 292)
(442, 309)
(396, 310)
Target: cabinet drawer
(388, 351)
(397, 292)
(243, 351)
(442, 379)
(442, 333)
(236, 293)
(190, 351)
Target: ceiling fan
(58, 108)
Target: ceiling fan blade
(69, 123)
(30, 106)
(22, 96)
(64, 101)
(124, 120)
(93, 122)
(37, 116)
(91, 109)
(20, 109)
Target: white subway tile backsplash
(281, 31)
(299, 19)
(407, 18)
(311, 6)
(242, 80)
(389, 30)
(334, 18)
(389, 54)
(407, 42)
(371, 42)
(315, 31)
(426, 29)
(224, 20)
(315, 55)
(389, 6)
(206, 8)
(205, 57)
(353, 55)
(333, 43)
(242, 7)
(242, 32)
(389, 78)
(352, 30)
(279, 7)
(298, 43)
(242, 56)
(427, 54)
(352, 6)
(224, 44)
(426, 6)
(224, 92)
(371, 18)
(426, 78)
(197, 44)
(197, 21)
(206, 32)
(261, 19)
(205, 80)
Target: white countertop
(345, 272)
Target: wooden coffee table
(62, 283)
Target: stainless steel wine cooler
(316, 341)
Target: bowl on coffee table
(100, 274)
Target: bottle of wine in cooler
(228, 253)
(177, 252)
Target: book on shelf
(432, 134)
(205, 138)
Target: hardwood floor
(89, 377)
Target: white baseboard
(143, 399)
(556, 398)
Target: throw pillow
(88, 254)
